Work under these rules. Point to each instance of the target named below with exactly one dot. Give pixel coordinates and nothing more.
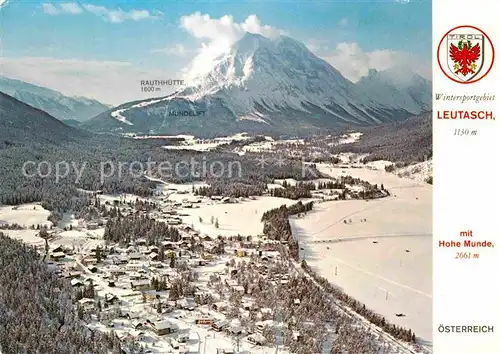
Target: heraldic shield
(465, 55)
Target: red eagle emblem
(464, 56)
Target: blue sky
(101, 48)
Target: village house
(149, 295)
(92, 225)
(57, 255)
(259, 326)
(248, 305)
(132, 316)
(257, 339)
(174, 221)
(134, 267)
(225, 351)
(219, 306)
(120, 260)
(72, 275)
(89, 261)
(220, 325)
(231, 282)
(186, 304)
(169, 245)
(234, 330)
(116, 271)
(86, 304)
(183, 337)
(240, 253)
(163, 327)
(296, 336)
(134, 256)
(239, 289)
(57, 249)
(140, 285)
(153, 249)
(156, 264)
(195, 262)
(76, 283)
(138, 325)
(110, 299)
(204, 321)
(153, 256)
(207, 256)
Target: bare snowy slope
(266, 85)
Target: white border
(466, 193)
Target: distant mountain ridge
(55, 103)
(263, 85)
(22, 124)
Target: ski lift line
(385, 279)
(365, 237)
(346, 216)
(370, 326)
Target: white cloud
(118, 15)
(50, 9)
(3, 3)
(113, 82)
(113, 16)
(318, 45)
(344, 22)
(63, 8)
(218, 34)
(71, 8)
(179, 50)
(353, 62)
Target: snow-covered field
(126, 198)
(420, 171)
(30, 237)
(384, 262)
(346, 139)
(191, 143)
(25, 215)
(269, 145)
(234, 218)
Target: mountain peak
(267, 85)
(250, 43)
(397, 75)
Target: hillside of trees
(127, 229)
(404, 142)
(109, 164)
(36, 309)
(277, 225)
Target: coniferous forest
(36, 308)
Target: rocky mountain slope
(56, 104)
(263, 85)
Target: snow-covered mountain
(267, 85)
(53, 102)
(398, 87)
